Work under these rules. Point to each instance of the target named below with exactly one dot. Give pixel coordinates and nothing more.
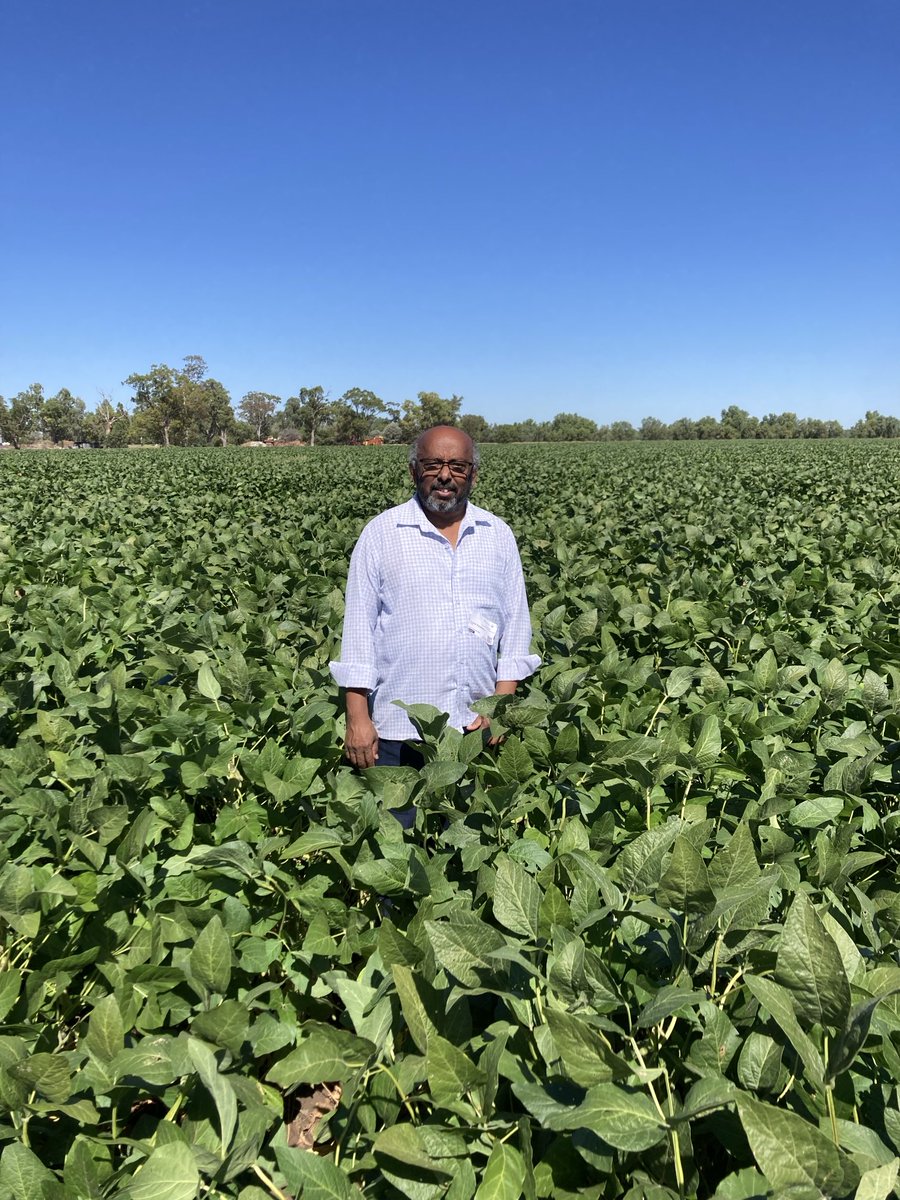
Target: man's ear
(412, 473)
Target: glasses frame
(445, 462)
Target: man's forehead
(447, 441)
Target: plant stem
(400, 1092)
(267, 1182)
(715, 968)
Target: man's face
(443, 488)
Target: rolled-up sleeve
(515, 661)
(357, 666)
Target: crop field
(647, 948)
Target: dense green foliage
(180, 407)
(646, 949)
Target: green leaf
(504, 1175)
(685, 883)
(442, 774)
(666, 1002)
(419, 1020)
(22, 1173)
(834, 683)
(314, 1177)
(515, 763)
(778, 1002)
(586, 1057)
(106, 1030)
(735, 865)
(219, 1087)
(818, 810)
(465, 949)
(207, 684)
(517, 899)
(584, 625)
(850, 1041)
(625, 1119)
(679, 681)
(879, 1182)
(759, 1065)
(10, 984)
(210, 959)
(395, 947)
(708, 746)
(225, 1025)
(404, 1144)
(639, 865)
(809, 965)
(325, 1055)
(81, 1173)
(765, 673)
(170, 1173)
(789, 1151)
(451, 1073)
(47, 1074)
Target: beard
(452, 504)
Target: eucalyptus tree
(258, 409)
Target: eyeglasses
(432, 466)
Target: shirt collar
(411, 513)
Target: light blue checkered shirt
(428, 624)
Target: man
(436, 611)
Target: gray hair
(414, 449)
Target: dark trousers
(400, 754)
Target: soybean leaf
(465, 949)
(210, 959)
(504, 1174)
(219, 1087)
(451, 1073)
(778, 1002)
(791, 1152)
(625, 1119)
(517, 899)
(314, 1177)
(810, 967)
(170, 1173)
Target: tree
(622, 431)
(108, 424)
(779, 425)
(158, 398)
(475, 426)
(428, 410)
(312, 409)
(707, 429)
(392, 433)
(213, 411)
(20, 417)
(683, 430)
(875, 425)
(180, 406)
(571, 427)
(736, 423)
(258, 409)
(63, 416)
(653, 430)
(356, 415)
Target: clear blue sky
(614, 207)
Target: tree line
(184, 407)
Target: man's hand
(483, 723)
(505, 687)
(361, 740)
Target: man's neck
(447, 522)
